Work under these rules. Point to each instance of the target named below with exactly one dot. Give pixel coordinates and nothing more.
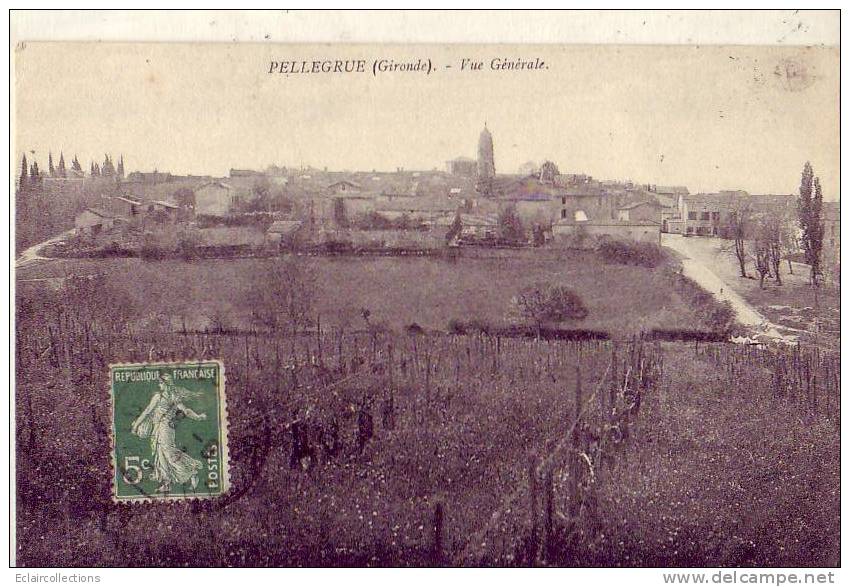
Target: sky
(709, 118)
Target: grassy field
(397, 291)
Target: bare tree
(769, 234)
(282, 299)
(738, 225)
(762, 255)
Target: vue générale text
(419, 65)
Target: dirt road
(32, 255)
(697, 257)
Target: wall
(403, 239)
(586, 235)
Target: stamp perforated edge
(223, 432)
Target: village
(468, 203)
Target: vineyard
(358, 448)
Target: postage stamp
(169, 431)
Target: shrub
(542, 303)
(630, 253)
(474, 326)
(414, 329)
(151, 252)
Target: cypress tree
(50, 169)
(121, 166)
(108, 169)
(35, 175)
(809, 210)
(22, 182)
(61, 169)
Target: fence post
(532, 492)
(439, 517)
(548, 512)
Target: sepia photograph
(484, 304)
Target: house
(578, 203)
(707, 214)
(93, 221)
(355, 204)
(166, 210)
(344, 186)
(245, 173)
(647, 210)
(283, 233)
(214, 198)
(419, 209)
(463, 166)
(125, 206)
(152, 177)
(672, 191)
(669, 212)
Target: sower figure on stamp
(157, 422)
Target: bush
(630, 253)
(336, 246)
(414, 329)
(474, 326)
(150, 252)
(541, 304)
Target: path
(695, 265)
(32, 255)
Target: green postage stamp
(169, 431)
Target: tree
(809, 210)
(541, 304)
(61, 171)
(340, 213)
(510, 225)
(455, 228)
(282, 299)
(120, 170)
(772, 226)
(548, 172)
(762, 251)
(22, 182)
(738, 222)
(108, 169)
(35, 175)
(75, 165)
(50, 169)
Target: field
(397, 291)
(359, 441)
(433, 449)
(478, 450)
